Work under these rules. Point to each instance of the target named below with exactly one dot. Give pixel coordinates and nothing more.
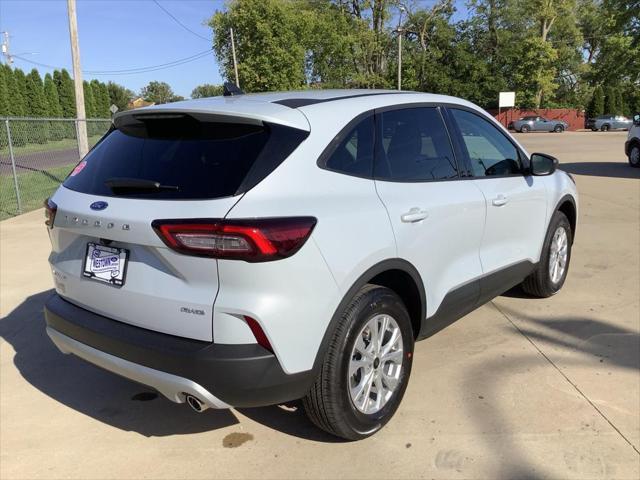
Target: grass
(34, 187)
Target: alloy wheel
(559, 252)
(375, 364)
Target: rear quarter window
(353, 155)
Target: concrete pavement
(521, 388)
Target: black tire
(558, 129)
(634, 156)
(594, 129)
(605, 127)
(328, 405)
(524, 128)
(539, 283)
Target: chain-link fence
(36, 154)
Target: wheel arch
(396, 274)
(567, 205)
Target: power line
(131, 71)
(180, 23)
(152, 67)
(39, 64)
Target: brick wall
(575, 118)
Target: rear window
(183, 158)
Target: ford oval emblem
(98, 205)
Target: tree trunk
(545, 27)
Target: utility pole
(81, 118)
(233, 52)
(399, 59)
(5, 48)
(400, 31)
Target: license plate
(106, 264)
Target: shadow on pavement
(609, 343)
(602, 169)
(482, 385)
(516, 292)
(117, 401)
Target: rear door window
(183, 158)
(414, 146)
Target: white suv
(249, 250)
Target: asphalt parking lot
(521, 388)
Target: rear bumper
(221, 376)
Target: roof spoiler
(231, 90)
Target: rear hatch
(107, 258)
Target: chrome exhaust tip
(196, 404)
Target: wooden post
(233, 52)
(83, 143)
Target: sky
(118, 35)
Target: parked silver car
(538, 124)
(609, 122)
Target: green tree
(101, 99)
(66, 92)
(206, 90)
(270, 43)
(119, 95)
(57, 129)
(35, 98)
(89, 101)
(106, 101)
(37, 132)
(51, 94)
(610, 101)
(334, 52)
(551, 52)
(293, 44)
(17, 107)
(4, 91)
(101, 94)
(621, 105)
(159, 92)
(596, 105)
(20, 80)
(440, 57)
(97, 98)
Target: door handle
(500, 200)
(414, 215)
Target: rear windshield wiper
(123, 186)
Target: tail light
(255, 240)
(50, 209)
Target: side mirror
(636, 119)
(542, 164)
